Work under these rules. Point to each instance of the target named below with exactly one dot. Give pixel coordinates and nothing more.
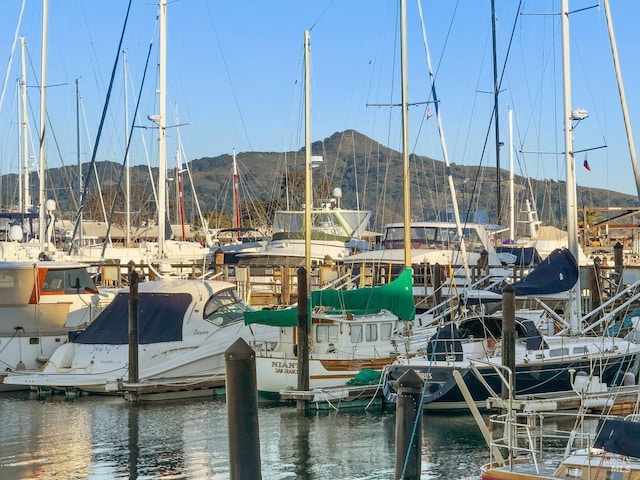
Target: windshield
(433, 237)
(225, 307)
(74, 280)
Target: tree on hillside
(217, 219)
(292, 188)
(141, 206)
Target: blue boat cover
(618, 436)
(160, 318)
(491, 327)
(557, 273)
(445, 343)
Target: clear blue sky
(235, 75)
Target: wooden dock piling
(242, 411)
(409, 427)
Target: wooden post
(286, 285)
(242, 411)
(133, 332)
(618, 258)
(483, 266)
(218, 260)
(596, 285)
(425, 277)
(303, 337)
(436, 275)
(134, 441)
(509, 335)
(408, 427)
(618, 255)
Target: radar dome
(15, 233)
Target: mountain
(369, 174)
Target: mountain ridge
(369, 174)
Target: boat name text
(285, 367)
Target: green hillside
(369, 174)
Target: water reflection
(106, 438)
(134, 450)
(452, 446)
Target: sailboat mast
(307, 162)
(162, 120)
(127, 172)
(512, 193)
(236, 195)
(572, 206)
(26, 197)
(496, 91)
(78, 157)
(445, 152)
(405, 134)
(42, 214)
(623, 98)
(180, 197)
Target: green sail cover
(397, 297)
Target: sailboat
(336, 233)
(450, 243)
(185, 327)
(164, 252)
(30, 229)
(349, 330)
(41, 301)
(238, 239)
(609, 452)
(543, 362)
(472, 346)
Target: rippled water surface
(106, 437)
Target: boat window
(326, 222)
(326, 333)
(372, 332)
(75, 280)
(385, 331)
(16, 286)
(357, 220)
(558, 352)
(356, 333)
(394, 233)
(584, 350)
(288, 221)
(448, 237)
(225, 307)
(421, 237)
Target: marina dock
(337, 397)
(173, 388)
(616, 400)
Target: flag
(429, 114)
(586, 164)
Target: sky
(235, 79)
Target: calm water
(106, 438)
